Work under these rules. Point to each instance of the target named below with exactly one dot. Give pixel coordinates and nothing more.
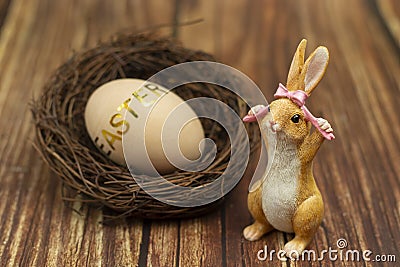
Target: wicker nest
(66, 147)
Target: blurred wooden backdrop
(358, 173)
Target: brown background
(358, 173)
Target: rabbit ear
(314, 68)
(296, 66)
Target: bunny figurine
(287, 198)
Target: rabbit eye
(268, 108)
(295, 118)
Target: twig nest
(65, 145)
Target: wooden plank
(200, 241)
(327, 176)
(201, 35)
(121, 244)
(4, 4)
(358, 174)
(36, 228)
(163, 243)
(248, 48)
(350, 174)
(390, 12)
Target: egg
(140, 112)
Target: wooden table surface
(358, 173)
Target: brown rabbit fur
(288, 199)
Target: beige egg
(123, 115)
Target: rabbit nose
(274, 126)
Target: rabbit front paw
(325, 125)
(255, 109)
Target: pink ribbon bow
(299, 98)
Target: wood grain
(390, 12)
(358, 173)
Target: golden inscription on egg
(121, 126)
